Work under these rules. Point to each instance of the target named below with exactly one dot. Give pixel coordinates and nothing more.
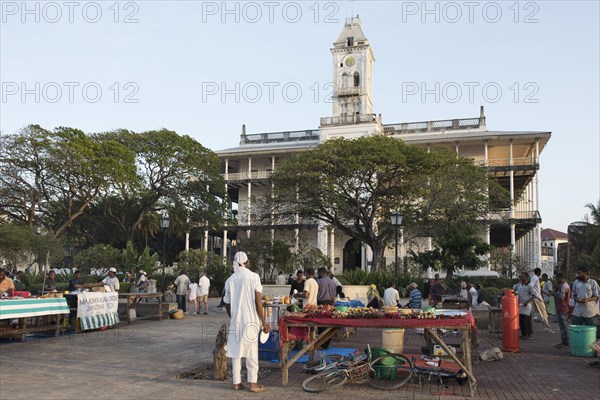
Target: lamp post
(165, 221)
(510, 252)
(396, 220)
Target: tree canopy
(354, 185)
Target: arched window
(356, 79)
(344, 80)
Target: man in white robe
(243, 303)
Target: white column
(249, 200)
(205, 239)
(224, 245)
(187, 241)
(429, 248)
(486, 160)
(331, 249)
(322, 237)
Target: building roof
(552, 234)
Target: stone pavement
(141, 361)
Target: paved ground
(141, 361)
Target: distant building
(551, 239)
(511, 157)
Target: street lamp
(510, 251)
(396, 220)
(165, 221)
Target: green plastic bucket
(580, 338)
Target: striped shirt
(414, 298)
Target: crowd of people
(578, 302)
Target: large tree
(49, 178)
(352, 185)
(172, 171)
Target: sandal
(258, 389)
(238, 386)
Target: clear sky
(206, 68)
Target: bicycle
(380, 373)
(386, 372)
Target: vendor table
(33, 315)
(133, 300)
(332, 325)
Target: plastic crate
(385, 372)
(269, 350)
(23, 293)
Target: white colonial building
(512, 157)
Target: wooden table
(133, 300)
(332, 325)
(33, 315)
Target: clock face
(350, 61)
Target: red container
(23, 294)
(510, 322)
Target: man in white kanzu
(204, 288)
(243, 303)
(111, 281)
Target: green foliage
(99, 257)
(20, 244)
(195, 261)
(124, 287)
(309, 256)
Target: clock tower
(352, 85)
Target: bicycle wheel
(318, 365)
(391, 371)
(324, 381)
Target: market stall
(93, 310)
(21, 317)
(303, 326)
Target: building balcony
(520, 217)
(434, 126)
(280, 137)
(247, 175)
(348, 91)
(348, 119)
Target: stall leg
(283, 357)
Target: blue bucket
(580, 338)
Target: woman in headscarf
(243, 302)
(373, 298)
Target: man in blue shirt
(414, 297)
(327, 288)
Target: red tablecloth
(373, 323)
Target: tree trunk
(219, 357)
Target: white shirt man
(311, 289)
(111, 282)
(244, 305)
(204, 289)
(183, 283)
(281, 279)
(474, 295)
(391, 297)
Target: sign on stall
(97, 309)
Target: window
(350, 41)
(356, 79)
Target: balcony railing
(275, 137)
(505, 162)
(246, 175)
(504, 215)
(348, 119)
(434, 126)
(348, 91)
